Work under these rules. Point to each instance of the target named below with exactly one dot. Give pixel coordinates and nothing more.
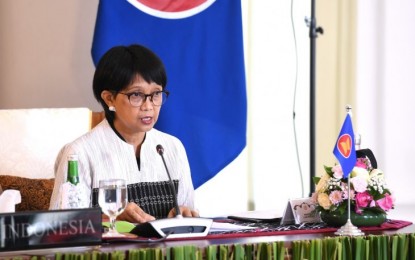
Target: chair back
(30, 139)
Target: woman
(130, 83)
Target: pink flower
(337, 171)
(359, 183)
(367, 186)
(336, 197)
(345, 190)
(363, 199)
(314, 197)
(385, 203)
(361, 163)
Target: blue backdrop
(203, 55)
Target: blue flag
(201, 45)
(345, 150)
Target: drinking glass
(112, 198)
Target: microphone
(160, 150)
(177, 227)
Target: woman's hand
(134, 214)
(185, 211)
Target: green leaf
(296, 250)
(394, 248)
(316, 249)
(133, 254)
(223, 252)
(359, 247)
(403, 246)
(411, 240)
(211, 252)
(384, 243)
(264, 251)
(328, 170)
(346, 244)
(178, 252)
(279, 250)
(239, 252)
(249, 251)
(189, 252)
(316, 180)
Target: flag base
(349, 229)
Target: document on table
(265, 216)
(223, 227)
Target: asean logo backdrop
(171, 9)
(200, 43)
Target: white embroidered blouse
(103, 155)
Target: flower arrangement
(368, 190)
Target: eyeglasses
(136, 99)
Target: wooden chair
(96, 118)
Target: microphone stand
(160, 150)
(177, 227)
(314, 31)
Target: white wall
(386, 90)
(45, 56)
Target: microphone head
(160, 149)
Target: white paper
(8, 201)
(220, 226)
(259, 214)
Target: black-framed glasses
(136, 99)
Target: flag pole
(349, 229)
(313, 33)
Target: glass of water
(112, 199)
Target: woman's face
(129, 119)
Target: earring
(112, 108)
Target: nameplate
(301, 210)
(54, 228)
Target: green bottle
(73, 176)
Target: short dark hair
(119, 66)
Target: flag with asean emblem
(345, 150)
(201, 45)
